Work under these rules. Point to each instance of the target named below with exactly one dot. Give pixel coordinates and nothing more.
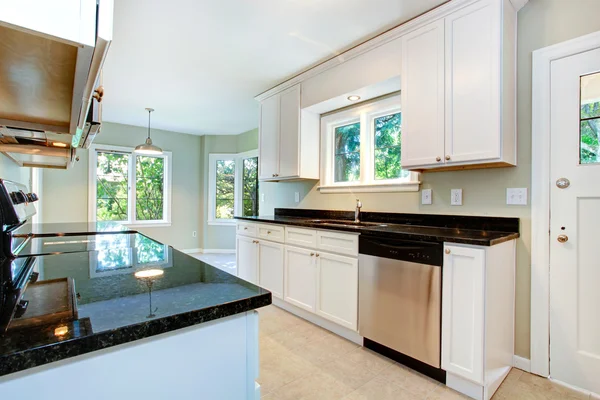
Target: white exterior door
(423, 96)
(337, 289)
(247, 258)
(270, 265)
(575, 218)
(269, 138)
(300, 278)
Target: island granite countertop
(114, 306)
(473, 230)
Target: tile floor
(299, 360)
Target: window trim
(131, 222)
(212, 184)
(366, 113)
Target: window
(129, 188)
(233, 187)
(361, 150)
(589, 133)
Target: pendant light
(148, 147)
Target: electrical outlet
(456, 197)
(194, 233)
(516, 196)
(426, 196)
(262, 197)
(297, 197)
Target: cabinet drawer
(301, 237)
(341, 243)
(271, 232)
(246, 229)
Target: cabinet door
(269, 138)
(300, 278)
(247, 259)
(423, 96)
(289, 133)
(270, 267)
(473, 73)
(337, 289)
(463, 312)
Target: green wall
(65, 193)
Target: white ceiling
(199, 63)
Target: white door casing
(575, 218)
(540, 193)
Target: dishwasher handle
(429, 253)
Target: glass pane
(149, 188)
(347, 153)
(225, 199)
(149, 251)
(388, 147)
(590, 137)
(111, 189)
(250, 187)
(113, 259)
(347, 167)
(589, 132)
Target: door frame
(540, 193)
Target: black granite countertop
(474, 230)
(113, 305)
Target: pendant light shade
(148, 147)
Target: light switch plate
(297, 197)
(456, 197)
(426, 196)
(262, 197)
(516, 196)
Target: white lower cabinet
(247, 258)
(270, 267)
(300, 277)
(478, 294)
(337, 289)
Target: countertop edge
(27, 359)
(442, 238)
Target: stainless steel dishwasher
(400, 300)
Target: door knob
(562, 238)
(563, 183)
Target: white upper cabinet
(288, 138)
(423, 83)
(476, 46)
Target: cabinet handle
(317, 254)
(447, 158)
(268, 232)
(245, 228)
(273, 175)
(312, 254)
(438, 159)
(447, 251)
(276, 174)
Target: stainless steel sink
(347, 223)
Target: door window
(589, 130)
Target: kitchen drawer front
(275, 233)
(341, 243)
(246, 229)
(301, 237)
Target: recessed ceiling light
(353, 97)
(59, 144)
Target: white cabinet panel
(337, 289)
(269, 138)
(342, 243)
(423, 96)
(270, 264)
(473, 76)
(247, 259)
(463, 299)
(246, 229)
(289, 132)
(300, 278)
(275, 233)
(301, 237)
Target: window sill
(147, 225)
(383, 188)
(222, 223)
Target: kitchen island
(143, 320)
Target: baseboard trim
(521, 363)
(320, 321)
(208, 251)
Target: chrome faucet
(357, 211)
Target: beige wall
(11, 171)
(65, 193)
(540, 23)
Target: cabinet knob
(268, 232)
(276, 175)
(273, 175)
(447, 251)
(317, 255)
(562, 238)
(447, 158)
(438, 159)
(245, 228)
(312, 254)
(98, 93)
